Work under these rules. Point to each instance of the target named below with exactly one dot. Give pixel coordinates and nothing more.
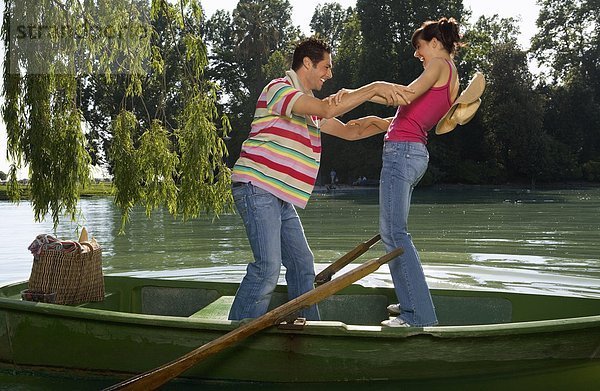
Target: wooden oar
(154, 378)
(336, 266)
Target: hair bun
(446, 30)
(449, 30)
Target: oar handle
(153, 379)
(326, 274)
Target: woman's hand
(363, 122)
(335, 99)
(367, 126)
(370, 121)
(393, 94)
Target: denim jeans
(276, 237)
(404, 164)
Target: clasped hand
(368, 125)
(392, 94)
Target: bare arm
(355, 129)
(427, 79)
(392, 93)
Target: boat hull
(103, 341)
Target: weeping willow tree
(51, 49)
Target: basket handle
(89, 246)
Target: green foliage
(204, 179)
(40, 109)
(591, 171)
(349, 53)
(470, 172)
(244, 44)
(328, 21)
(481, 38)
(276, 66)
(387, 28)
(157, 165)
(568, 44)
(135, 71)
(148, 96)
(568, 37)
(513, 113)
(375, 45)
(126, 166)
(521, 132)
(573, 117)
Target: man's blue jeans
(276, 237)
(404, 164)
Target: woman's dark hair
(444, 30)
(313, 48)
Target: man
(277, 168)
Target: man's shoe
(395, 322)
(394, 309)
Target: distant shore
(455, 186)
(105, 188)
(93, 189)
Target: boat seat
(218, 309)
(355, 309)
(464, 310)
(111, 302)
(175, 301)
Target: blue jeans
(404, 164)
(276, 237)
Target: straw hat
(464, 107)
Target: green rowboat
(143, 323)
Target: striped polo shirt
(283, 150)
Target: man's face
(319, 72)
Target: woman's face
(424, 50)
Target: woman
(405, 159)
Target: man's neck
(301, 80)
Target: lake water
(512, 239)
(543, 241)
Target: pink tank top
(411, 123)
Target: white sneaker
(395, 322)
(394, 309)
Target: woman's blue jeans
(404, 164)
(276, 237)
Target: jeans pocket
(417, 151)
(390, 149)
(416, 165)
(259, 199)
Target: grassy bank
(93, 189)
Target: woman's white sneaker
(395, 322)
(394, 309)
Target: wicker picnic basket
(74, 277)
